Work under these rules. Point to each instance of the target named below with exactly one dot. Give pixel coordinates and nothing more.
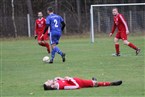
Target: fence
(72, 27)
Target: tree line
(13, 19)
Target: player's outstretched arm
(113, 29)
(68, 78)
(35, 32)
(110, 34)
(58, 78)
(74, 85)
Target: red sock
(42, 44)
(117, 48)
(103, 84)
(132, 46)
(48, 47)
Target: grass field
(23, 72)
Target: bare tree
(13, 19)
(56, 6)
(79, 15)
(13, 14)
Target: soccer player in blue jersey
(56, 24)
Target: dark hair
(50, 9)
(48, 87)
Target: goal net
(102, 18)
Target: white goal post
(105, 5)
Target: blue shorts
(54, 37)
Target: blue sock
(58, 50)
(53, 53)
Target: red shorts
(45, 37)
(84, 83)
(121, 35)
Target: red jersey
(120, 23)
(67, 84)
(40, 25)
(74, 83)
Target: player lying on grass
(40, 25)
(122, 33)
(69, 83)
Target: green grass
(23, 72)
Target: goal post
(107, 6)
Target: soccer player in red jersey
(120, 23)
(40, 25)
(69, 83)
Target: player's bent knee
(39, 42)
(125, 42)
(53, 45)
(116, 40)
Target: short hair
(39, 11)
(47, 87)
(50, 9)
(115, 8)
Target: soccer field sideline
(20, 68)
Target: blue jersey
(54, 21)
